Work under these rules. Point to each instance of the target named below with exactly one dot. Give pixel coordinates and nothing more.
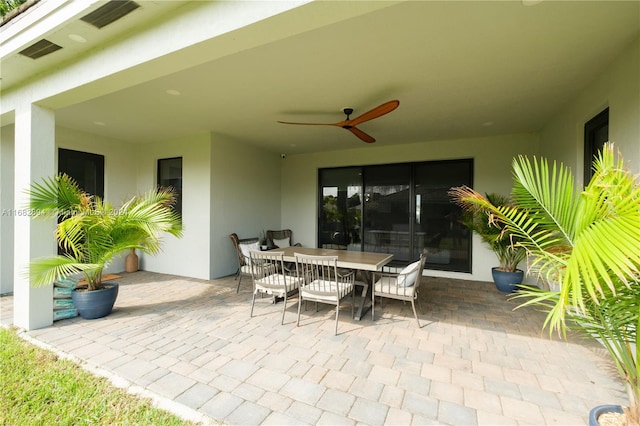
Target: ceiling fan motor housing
(348, 112)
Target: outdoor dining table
(359, 260)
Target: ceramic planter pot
(601, 409)
(97, 303)
(507, 282)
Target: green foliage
(489, 227)
(91, 231)
(38, 388)
(585, 246)
(7, 6)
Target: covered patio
(191, 345)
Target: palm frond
(44, 271)
(92, 232)
(59, 195)
(546, 193)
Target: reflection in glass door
(341, 209)
(437, 226)
(400, 209)
(387, 210)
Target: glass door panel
(437, 223)
(340, 209)
(387, 210)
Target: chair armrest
(379, 275)
(347, 276)
(343, 273)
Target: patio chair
(266, 267)
(242, 248)
(322, 282)
(401, 286)
(280, 239)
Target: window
(397, 208)
(170, 176)
(596, 133)
(85, 168)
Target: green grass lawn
(39, 388)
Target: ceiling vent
(110, 12)
(39, 49)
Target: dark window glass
(170, 176)
(85, 168)
(437, 221)
(340, 204)
(596, 133)
(397, 208)
(387, 210)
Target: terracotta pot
(131, 261)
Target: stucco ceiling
(459, 69)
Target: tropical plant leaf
(92, 232)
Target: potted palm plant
(585, 248)
(90, 232)
(480, 220)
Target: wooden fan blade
(378, 111)
(362, 135)
(311, 124)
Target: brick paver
(474, 361)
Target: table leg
(363, 308)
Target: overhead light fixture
(173, 92)
(77, 37)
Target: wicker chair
(401, 286)
(242, 247)
(275, 237)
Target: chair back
(267, 270)
(321, 276)
(242, 253)
(405, 283)
(423, 260)
(282, 234)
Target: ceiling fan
(350, 124)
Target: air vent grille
(39, 49)
(110, 12)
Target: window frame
(176, 185)
(592, 145)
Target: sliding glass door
(387, 210)
(397, 208)
(437, 226)
(340, 216)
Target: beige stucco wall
(619, 89)
(246, 191)
(228, 186)
(6, 208)
(189, 255)
(492, 173)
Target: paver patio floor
(474, 361)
